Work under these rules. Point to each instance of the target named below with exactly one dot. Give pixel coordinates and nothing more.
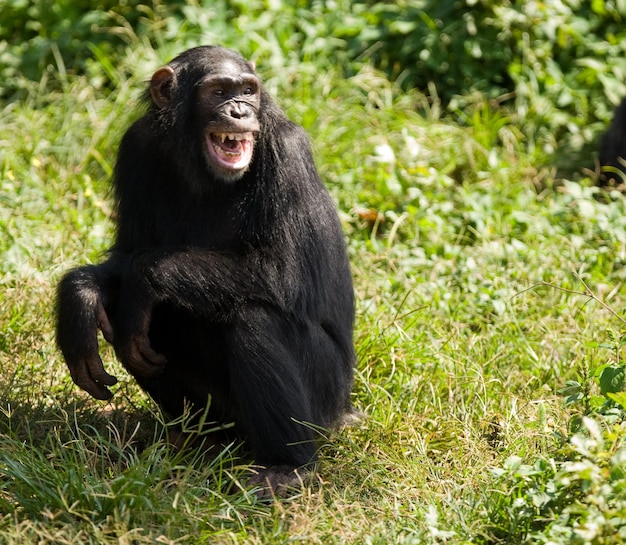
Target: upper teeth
(232, 136)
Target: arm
(82, 297)
(207, 283)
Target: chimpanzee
(612, 151)
(228, 279)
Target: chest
(176, 222)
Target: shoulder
(138, 135)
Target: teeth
(239, 136)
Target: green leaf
(619, 398)
(612, 379)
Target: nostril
(238, 111)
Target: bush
(560, 66)
(41, 39)
(555, 69)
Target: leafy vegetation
(558, 67)
(489, 284)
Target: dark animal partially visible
(228, 277)
(612, 153)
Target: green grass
(474, 272)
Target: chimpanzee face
(226, 101)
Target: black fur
(612, 151)
(238, 290)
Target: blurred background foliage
(558, 66)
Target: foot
(279, 481)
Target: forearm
(203, 280)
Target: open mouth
(230, 151)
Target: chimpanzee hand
(132, 342)
(139, 357)
(86, 367)
(79, 320)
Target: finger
(104, 324)
(143, 360)
(146, 350)
(144, 368)
(82, 378)
(98, 391)
(97, 373)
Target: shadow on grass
(81, 461)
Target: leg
(329, 361)
(274, 408)
(195, 368)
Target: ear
(162, 86)
(253, 64)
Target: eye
(218, 92)
(248, 91)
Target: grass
(479, 278)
